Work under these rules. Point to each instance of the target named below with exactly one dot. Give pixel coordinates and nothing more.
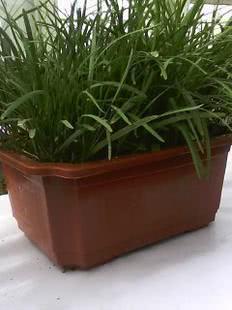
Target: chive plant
(114, 80)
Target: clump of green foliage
(114, 80)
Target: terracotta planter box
(87, 214)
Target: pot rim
(81, 170)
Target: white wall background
(15, 5)
(66, 4)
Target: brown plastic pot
(86, 214)
(3, 189)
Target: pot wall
(89, 219)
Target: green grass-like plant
(114, 80)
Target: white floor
(191, 272)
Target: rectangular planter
(86, 214)
(3, 190)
